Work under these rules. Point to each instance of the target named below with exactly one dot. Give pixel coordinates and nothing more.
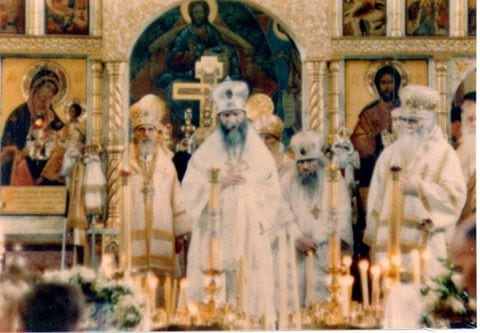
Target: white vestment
(247, 212)
(302, 214)
(441, 196)
(157, 212)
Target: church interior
(107, 109)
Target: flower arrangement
(112, 305)
(447, 304)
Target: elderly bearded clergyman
(431, 183)
(248, 199)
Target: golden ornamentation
(333, 96)
(441, 85)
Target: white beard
(409, 145)
(146, 149)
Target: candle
(240, 273)
(363, 267)
(395, 262)
(415, 266)
(332, 187)
(384, 267)
(174, 295)
(309, 278)
(346, 283)
(182, 298)
(152, 285)
(167, 296)
(127, 237)
(424, 258)
(375, 274)
(347, 262)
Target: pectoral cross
(208, 70)
(316, 212)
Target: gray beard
(309, 183)
(146, 147)
(234, 138)
(409, 144)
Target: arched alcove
(261, 53)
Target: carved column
(316, 105)
(334, 18)
(97, 18)
(396, 20)
(333, 98)
(115, 147)
(96, 68)
(460, 13)
(441, 86)
(32, 17)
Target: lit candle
(363, 267)
(127, 237)
(397, 213)
(375, 273)
(347, 262)
(309, 278)
(346, 283)
(415, 266)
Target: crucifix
(208, 70)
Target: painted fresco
(66, 17)
(12, 16)
(252, 46)
(364, 18)
(427, 17)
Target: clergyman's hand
(305, 244)
(408, 186)
(232, 179)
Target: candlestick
(363, 267)
(397, 213)
(333, 195)
(309, 278)
(375, 273)
(415, 266)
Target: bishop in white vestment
(157, 208)
(305, 214)
(247, 205)
(431, 184)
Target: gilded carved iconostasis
(315, 59)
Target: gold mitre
(307, 145)
(230, 95)
(259, 104)
(150, 109)
(419, 101)
(269, 124)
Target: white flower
(457, 279)
(455, 304)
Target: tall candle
(384, 265)
(375, 273)
(241, 270)
(213, 252)
(183, 293)
(347, 262)
(309, 278)
(363, 267)
(174, 295)
(127, 227)
(333, 195)
(424, 258)
(152, 286)
(415, 255)
(167, 290)
(346, 283)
